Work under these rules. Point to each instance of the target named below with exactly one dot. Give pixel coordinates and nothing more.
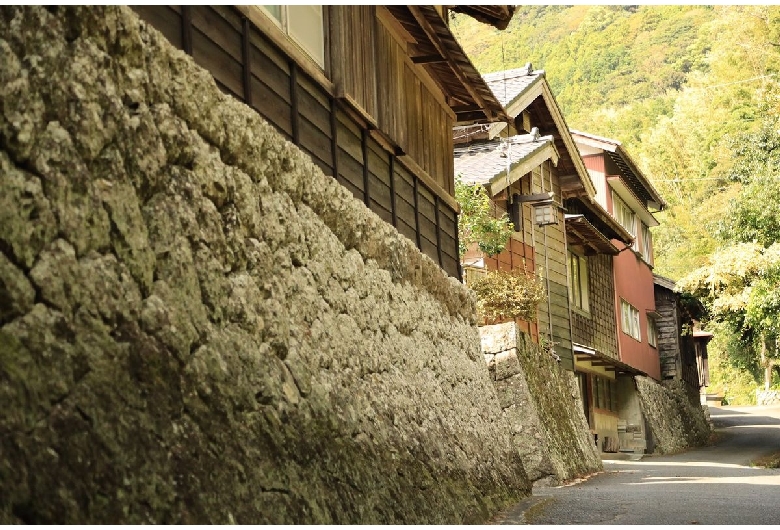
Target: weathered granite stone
(506, 364)
(542, 405)
(676, 418)
(198, 326)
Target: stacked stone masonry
(541, 402)
(198, 326)
(675, 415)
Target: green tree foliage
(477, 222)
(740, 287)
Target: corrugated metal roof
(479, 163)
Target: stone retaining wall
(768, 397)
(541, 402)
(676, 418)
(198, 326)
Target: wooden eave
(522, 167)
(666, 283)
(538, 100)
(468, 95)
(579, 231)
(601, 219)
(626, 192)
(497, 16)
(640, 185)
(595, 358)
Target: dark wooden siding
(249, 66)
(597, 328)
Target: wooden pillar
(334, 139)
(438, 229)
(364, 147)
(393, 210)
(246, 57)
(417, 212)
(294, 114)
(186, 29)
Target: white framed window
(578, 281)
(652, 331)
(304, 25)
(629, 320)
(647, 244)
(625, 216)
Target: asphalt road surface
(711, 485)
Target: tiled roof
(509, 84)
(479, 163)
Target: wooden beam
(294, 114)
(364, 147)
(393, 207)
(186, 29)
(436, 205)
(246, 57)
(459, 109)
(427, 59)
(419, 16)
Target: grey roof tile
(479, 163)
(507, 85)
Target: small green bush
(503, 295)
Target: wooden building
(682, 347)
(371, 93)
(605, 382)
(530, 168)
(631, 199)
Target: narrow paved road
(711, 485)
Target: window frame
(604, 394)
(647, 243)
(579, 282)
(622, 213)
(284, 24)
(652, 331)
(630, 321)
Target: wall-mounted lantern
(545, 210)
(545, 213)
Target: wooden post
(438, 229)
(294, 114)
(245, 56)
(393, 210)
(186, 29)
(364, 146)
(417, 212)
(334, 141)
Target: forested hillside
(692, 92)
